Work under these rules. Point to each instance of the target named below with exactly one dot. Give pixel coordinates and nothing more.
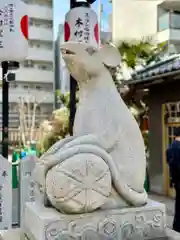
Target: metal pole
(73, 87)
(99, 19)
(56, 74)
(73, 84)
(5, 110)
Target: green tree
(140, 52)
(136, 53)
(63, 98)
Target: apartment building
(34, 78)
(61, 73)
(135, 19)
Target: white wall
(40, 33)
(42, 12)
(40, 54)
(64, 73)
(34, 75)
(133, 19)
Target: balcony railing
(15, 135)
(169, 21)
(32, 95)
(34, 75)
(39, 54)
(40, 12)
(40, 33)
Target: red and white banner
(81, 25)
(13, 30)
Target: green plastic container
(15, 158)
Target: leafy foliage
(63, 98)
(55, 129)
(140, 52)
(136, 53)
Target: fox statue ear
(109, 55)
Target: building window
(13, 85)
(168, 19)
(38, 87)
(163, 21)
(41, 23)
(30, 22)
(175, 20)
(44, 67)
(31, 106)
(41, 44)
(44, 3)
(28, 64)
(47, 67)
(38, 109)
(30, 44)
(13, 107)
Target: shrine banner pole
(73, 87)
(13, 49)
(87, 31)
(5, 109)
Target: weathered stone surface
(172, 235)
(17, 234)
(80, 184)
(102, 112)
(5, 194)
(104, 127)
(26, 182)
(14, 234)
(142, 223)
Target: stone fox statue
(103, 127)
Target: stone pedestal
(15, 234)
(143, 223)
(146, 222)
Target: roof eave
(153, 79)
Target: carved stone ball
(80, 184)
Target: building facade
(162, 80)
(160, 19)
(61, 73)
(34, 78)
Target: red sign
(24, 26)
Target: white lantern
(81, 25)
(13, 30)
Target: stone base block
(14, 234)
(148, 222)
(172, 235)
(17, 234)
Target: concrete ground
(169, 202)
